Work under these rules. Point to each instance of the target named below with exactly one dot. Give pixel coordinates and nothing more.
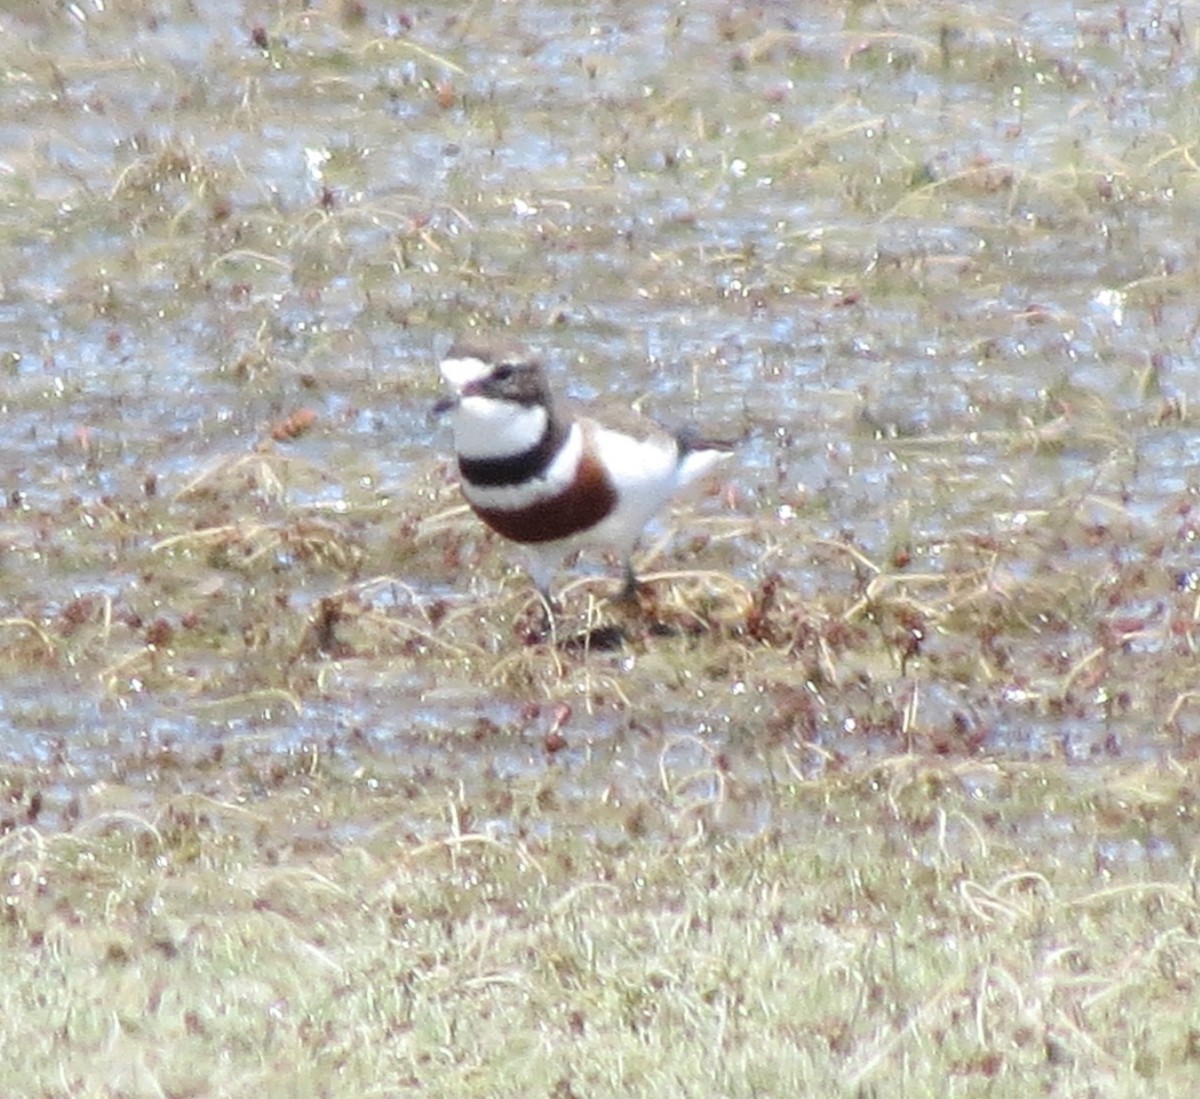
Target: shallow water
(891, 257)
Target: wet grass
(887, 788)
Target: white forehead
(461, 370)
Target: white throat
(487, 428)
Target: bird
(553, 481)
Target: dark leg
(629, 590)
(541, 571)
(548, 607)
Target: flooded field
(933, 267)
(938, 284)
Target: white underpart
(646, 473)
(700, 463)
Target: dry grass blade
(27, 625)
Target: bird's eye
(503, 372)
